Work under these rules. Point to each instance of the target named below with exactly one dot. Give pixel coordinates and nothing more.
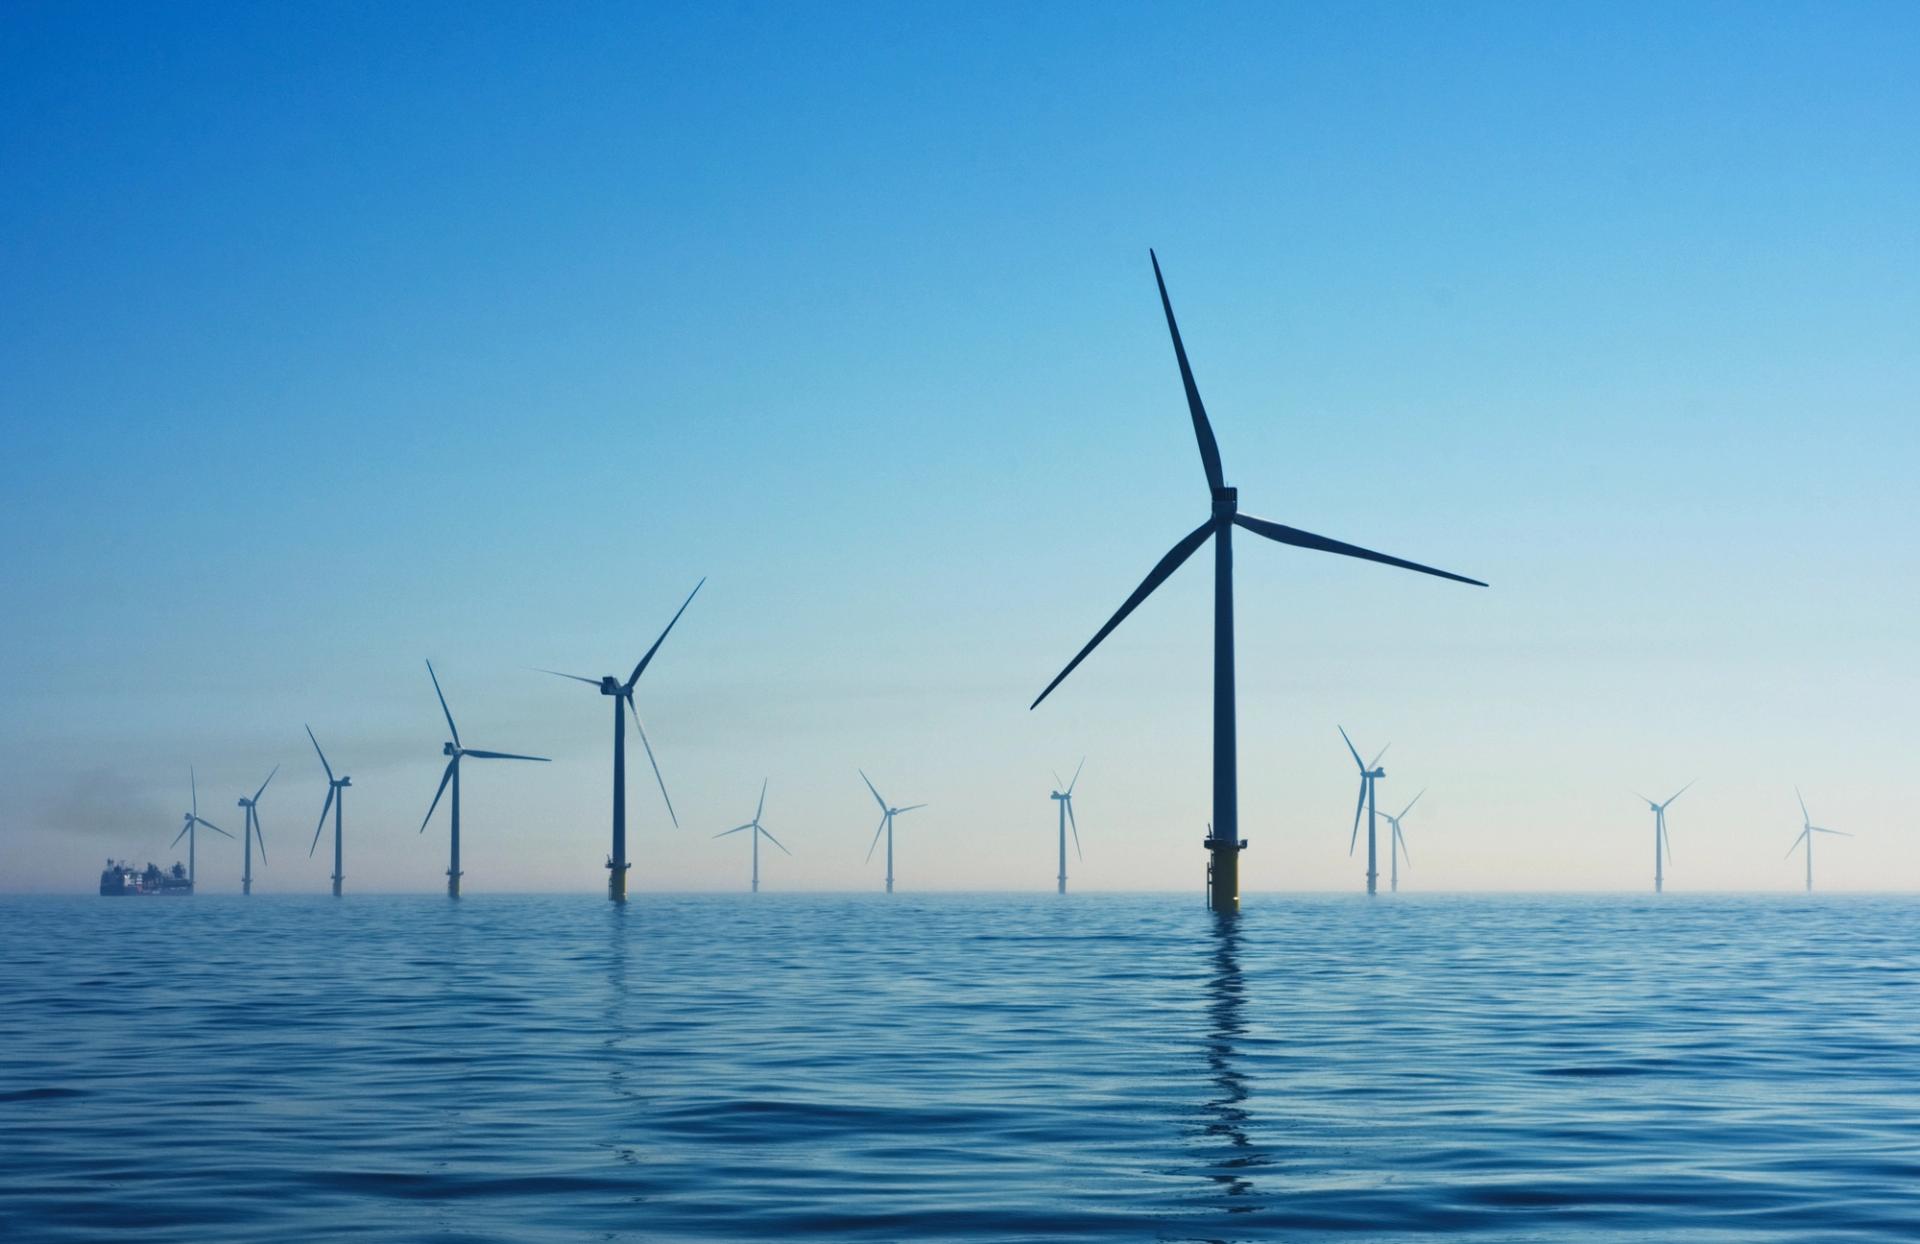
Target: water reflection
(1226, 1112)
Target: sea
(960, 1067)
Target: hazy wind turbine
(759, 831)
(622, 693)
(454, 751)
(1398, 844)
(1369, 774)
(194, 818)
(336, 800)
(1807, 830)
(252, 834)
(886, 824)
(1662, 845)
(1223, 839)
(1065, 799)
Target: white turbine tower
(1397, 847)
(1807, 830)
(1065, 799)
(1662, 845)
(759, 832)
(886, 826)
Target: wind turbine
(1807, 830)
(194, 818)
(454, 751)
(759, 831)
(336, 800)
(252, 834)
(622, 693)
(1369, 774)
(1065, 799)
(1400, 843)
(1223, 839)
(886, 824)
(1662, 845)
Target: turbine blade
(1806, 817)
(1642, 798)
(443, 704)
(775, 841)
(1376, 757)
(480, 755)
(876, 794)
(1076, 777)
(1678, 793)
(1155, 577)
(1796, 843)
(1358, 807)
(1202, 429)
(194, 785)
(1307, 540)
(1058, 785)
(259, 836)
(909, 808)
(1400, 840)
(324, 809)
(1076, 830)
(1410, 803)
(444, 779)
(876, 837)
(215, 828)
(666, 798)
(182, 834)
(642, 667)
(263, 787)
(1667, 838)
(763, 801)
(322, 755)
(591, 682)
(736, 829)
(1838, 833)
(1353, 749)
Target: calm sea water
(960, 1067)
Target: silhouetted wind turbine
(1223, 839)
(1398, 844)
(1369, 774)
(886, 824)
(1807, 830)
(454, 751)
(1662, 845)
(336, 800)
(622, 693)
(1065, 799)
(194, 818)
(251, 834)
(759, 831)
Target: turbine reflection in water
(1225, 1114)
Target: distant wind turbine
(337, 801)
(1807, 830)
(1399, 843)
(1064, 797)
(622, 693)
(1662, 845)
(886, 826)
(1369, 774)
(194, 818)
(759, 831)
(251, 834)
(1223, 839)
(454, 751)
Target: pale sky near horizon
(336, 338)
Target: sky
(338, 337)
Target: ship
(119, 877)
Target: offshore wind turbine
(454, 751)
(252, 834)
(1369, 774)
(1398, 844)
(886, 824)
(1065, 799)
(1662, 845)
(759, 831)
(1223, 841)
(1807, 830)
(336, 800)
(622, 694)
(194, 818)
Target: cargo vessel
(120, 877)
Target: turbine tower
(622, 694)
(1399, 843)
(1662, 845)
(759, 831)
(194, 818)
(1065, 799)
(252, 834)
(336, 800)
(1807, 830)
(886, 825)
(1369, 774)
(1223, 841)
(454, 752)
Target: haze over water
(960, 1067)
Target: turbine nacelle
(450, 749)
(1226, 503)
(245, 803)
(609, 685)
(342, 780)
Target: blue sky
(339, 337)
